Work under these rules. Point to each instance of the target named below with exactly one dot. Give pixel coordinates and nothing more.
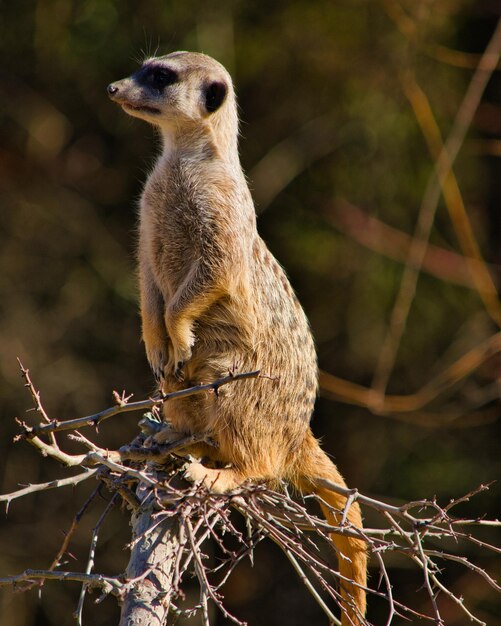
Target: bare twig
(92, 554)
(372, 233)
(362, 396)
(74, 524)
(302, 576)
(124, 406)
(107, 584)
(35, 394)
(486, 66)
(51, 484)
(479, 271)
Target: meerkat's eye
(159, 77)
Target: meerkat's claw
(159, 376)
(178, 371)
(157, 359)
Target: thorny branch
(123, 405)
(188, 516)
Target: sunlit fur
(214, 299)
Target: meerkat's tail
(314, 464)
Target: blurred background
(342, 105)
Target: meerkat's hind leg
(216, 480)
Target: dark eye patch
(156, 76)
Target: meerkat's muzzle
(120, 94)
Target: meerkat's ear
(214, 94)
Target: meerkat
(213, 298)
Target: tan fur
(213, 298)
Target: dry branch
(107, 584)
(124, 406)
(363, 396)
(480, 273)
(51, 484)
(374, 234)
(429, 204)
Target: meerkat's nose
(112, 89)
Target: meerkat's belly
(276, 407)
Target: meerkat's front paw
(183, 339)
(158, 357)
(156, 342)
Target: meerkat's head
(179, 91)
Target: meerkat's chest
(173, 223)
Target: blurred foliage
(324, 117)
